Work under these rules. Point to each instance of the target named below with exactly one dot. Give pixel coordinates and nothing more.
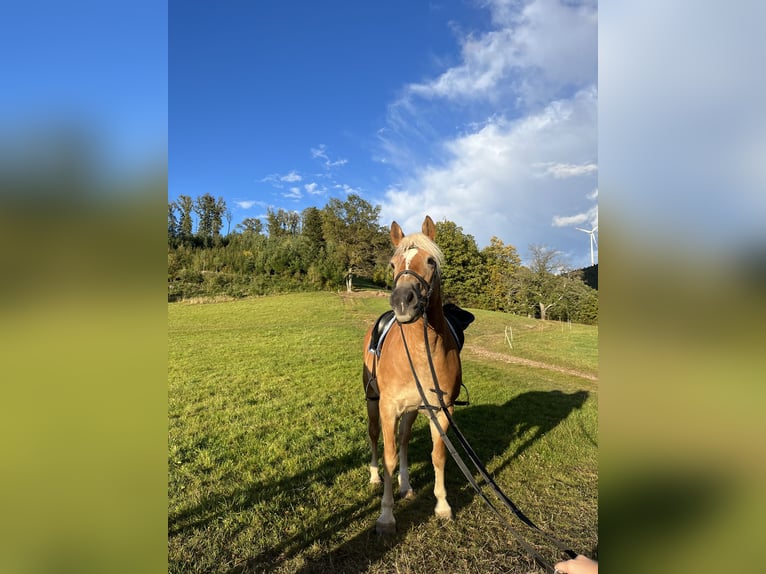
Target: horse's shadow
(491, 430)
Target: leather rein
(430, 409)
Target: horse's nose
(404, 300)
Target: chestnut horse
(388, 379)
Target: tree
(227, 215)
(312, 227)
(580, 302)
(502, 263)
(281, 223)
(546, 288)
(218, 214)
(251, 225)
(210, 213)
(352, 228)
(463, 274)
(185, 206)
(173, 229)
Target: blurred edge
(83, 346)
(683, 286)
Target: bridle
(468, 449)
(426, 287)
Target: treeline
(342, 245)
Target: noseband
(426, 286)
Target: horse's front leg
(386, 523)
(439, 460)
(405, 433)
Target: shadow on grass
(491, 429)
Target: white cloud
(314, 189)
(320, 152)
(293, 193)
(347, 189)
(291, 177)
(277, 180)
(536, 51)
(273, 179)
(588, 218)
(505, 140)
(562, 170)
(245, 204)
(489, 180)
(569, 220)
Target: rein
(472, 454)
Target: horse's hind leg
(405, 433)
(439, 460)
(373, 430)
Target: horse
(388, 378)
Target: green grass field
(268, 454)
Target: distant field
(268, 455)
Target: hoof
(385, 528)
(375, 480)
(407, 494)
(443, 513)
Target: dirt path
(526, 362)
(481, 352)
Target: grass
(268, 455)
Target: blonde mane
(420, 241)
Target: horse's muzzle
(407, 302)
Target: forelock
(422, 242)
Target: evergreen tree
(312, 227)
(185, 206)
(173, 229)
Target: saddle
(458, 321)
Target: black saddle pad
(457, 316)
(459, 320)
(379, 328)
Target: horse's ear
(429, 229)
(396, 234)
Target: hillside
(268, 451)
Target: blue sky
(98, 66)
(483, 113)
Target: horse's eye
(392, 265)
(431, 262)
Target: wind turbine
(592, 241)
